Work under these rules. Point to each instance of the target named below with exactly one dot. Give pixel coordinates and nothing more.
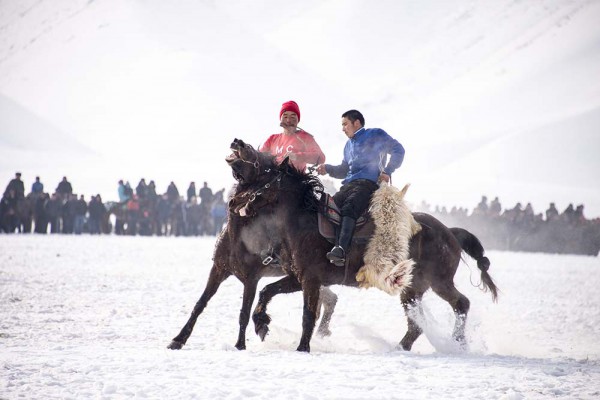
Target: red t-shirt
(302, 144)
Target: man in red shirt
(299, 145)
(301, 148)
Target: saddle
(329, 220)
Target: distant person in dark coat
(163, 210)
(191, 192)
(68, 214)
(80, 211)
(64, 188)
(141, 190)
(9, 217)
(172, 192)
(579, 218)
(53, 213)
(569, 214)
(495, 208)
(151, 192)
(482, 208)
(128, 191)
(39, 213)
(552, 213)
(17, 185)
(206, 196)
(97, 212)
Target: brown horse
(286, 202)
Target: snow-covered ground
(90, 317)
(497, 98)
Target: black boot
(337, 255)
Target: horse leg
(248, 299)
(310, 291)
(287, 284)
(460, 305)
(216, 277)
(290, 284)
(328, 299)
(411, 302)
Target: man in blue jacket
(37, 187)
(363, 167)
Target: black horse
(238, 252)
(286, 201)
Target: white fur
(387, 266)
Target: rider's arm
(266, 146)
(311, 153)
(396, 150)
(338, 171)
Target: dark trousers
(54, 224)
(354, 197)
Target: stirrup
(269, 257)
(267, 260)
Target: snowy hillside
(21, 129)
(497, 98)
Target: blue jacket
(365, 156)
(37, 187)
(122, 193)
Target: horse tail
(473, 247)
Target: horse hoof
(323, 332)
(175, 345)
(262, 332)
(405, 346)
(240, 346)
(462, 344)
(304, 349)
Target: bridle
(252, 196)
(255, 163)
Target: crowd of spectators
(138, 212)
(522, 229)
(142, 211)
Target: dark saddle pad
(330, 219)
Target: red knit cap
(290, 106)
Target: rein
(255, 163)
(244, 210)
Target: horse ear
(404, 190)
(286, 161)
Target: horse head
(245, 162)
(255, 172)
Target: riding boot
(337, 255)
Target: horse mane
(307, 186)
(310, 186)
